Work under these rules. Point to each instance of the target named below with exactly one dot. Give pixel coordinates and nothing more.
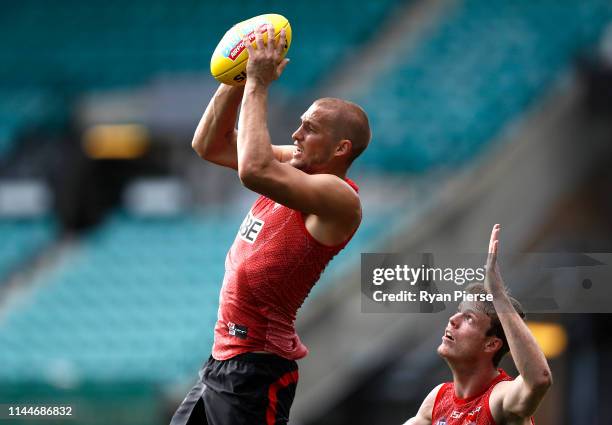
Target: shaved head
(349, 122)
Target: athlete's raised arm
(323, 193)
(518, 398)
(423, 416)
(215, 136)
(215, 139)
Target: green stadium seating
(137, 301)
(74, 46)
(21, 239)
(486, 61)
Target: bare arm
(215, 137)
(522, 396)
(323, 195)
(423, 416)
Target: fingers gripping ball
(229, 60)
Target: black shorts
(250, 388)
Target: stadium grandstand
(114, 232)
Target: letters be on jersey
(250, 228)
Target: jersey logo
(250, 228)
(474, 412)
(441, 422)
(456, 414)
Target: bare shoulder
(496, 399)
(425, 413)
(344, 186)
(340, 217)
(434, 393)
(342, 198)
(496, 404)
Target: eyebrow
(468, 311)
(310, 122)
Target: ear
(343, 147)
(493, 344)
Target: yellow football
(229, 60)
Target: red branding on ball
(239, 48)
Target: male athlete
(475, 340)
(307, 212)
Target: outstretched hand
(265, 63)
(493, 281)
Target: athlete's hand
(265, 63)
(494, 284)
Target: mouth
(448, 336)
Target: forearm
(527, 355)
(254, 146)
(215, 132)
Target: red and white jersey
(269, 270)
(449, 409)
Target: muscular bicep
(228, 156)
(323, 195)
(424, 415)
(224, 153)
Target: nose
(297, 135)
(454, 320)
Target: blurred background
(113, 232)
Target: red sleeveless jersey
(449, 409)
(269, 270)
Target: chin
(443, 351)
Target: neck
(336, 171)
(339, 171)
(342, 175)
(473, 379)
